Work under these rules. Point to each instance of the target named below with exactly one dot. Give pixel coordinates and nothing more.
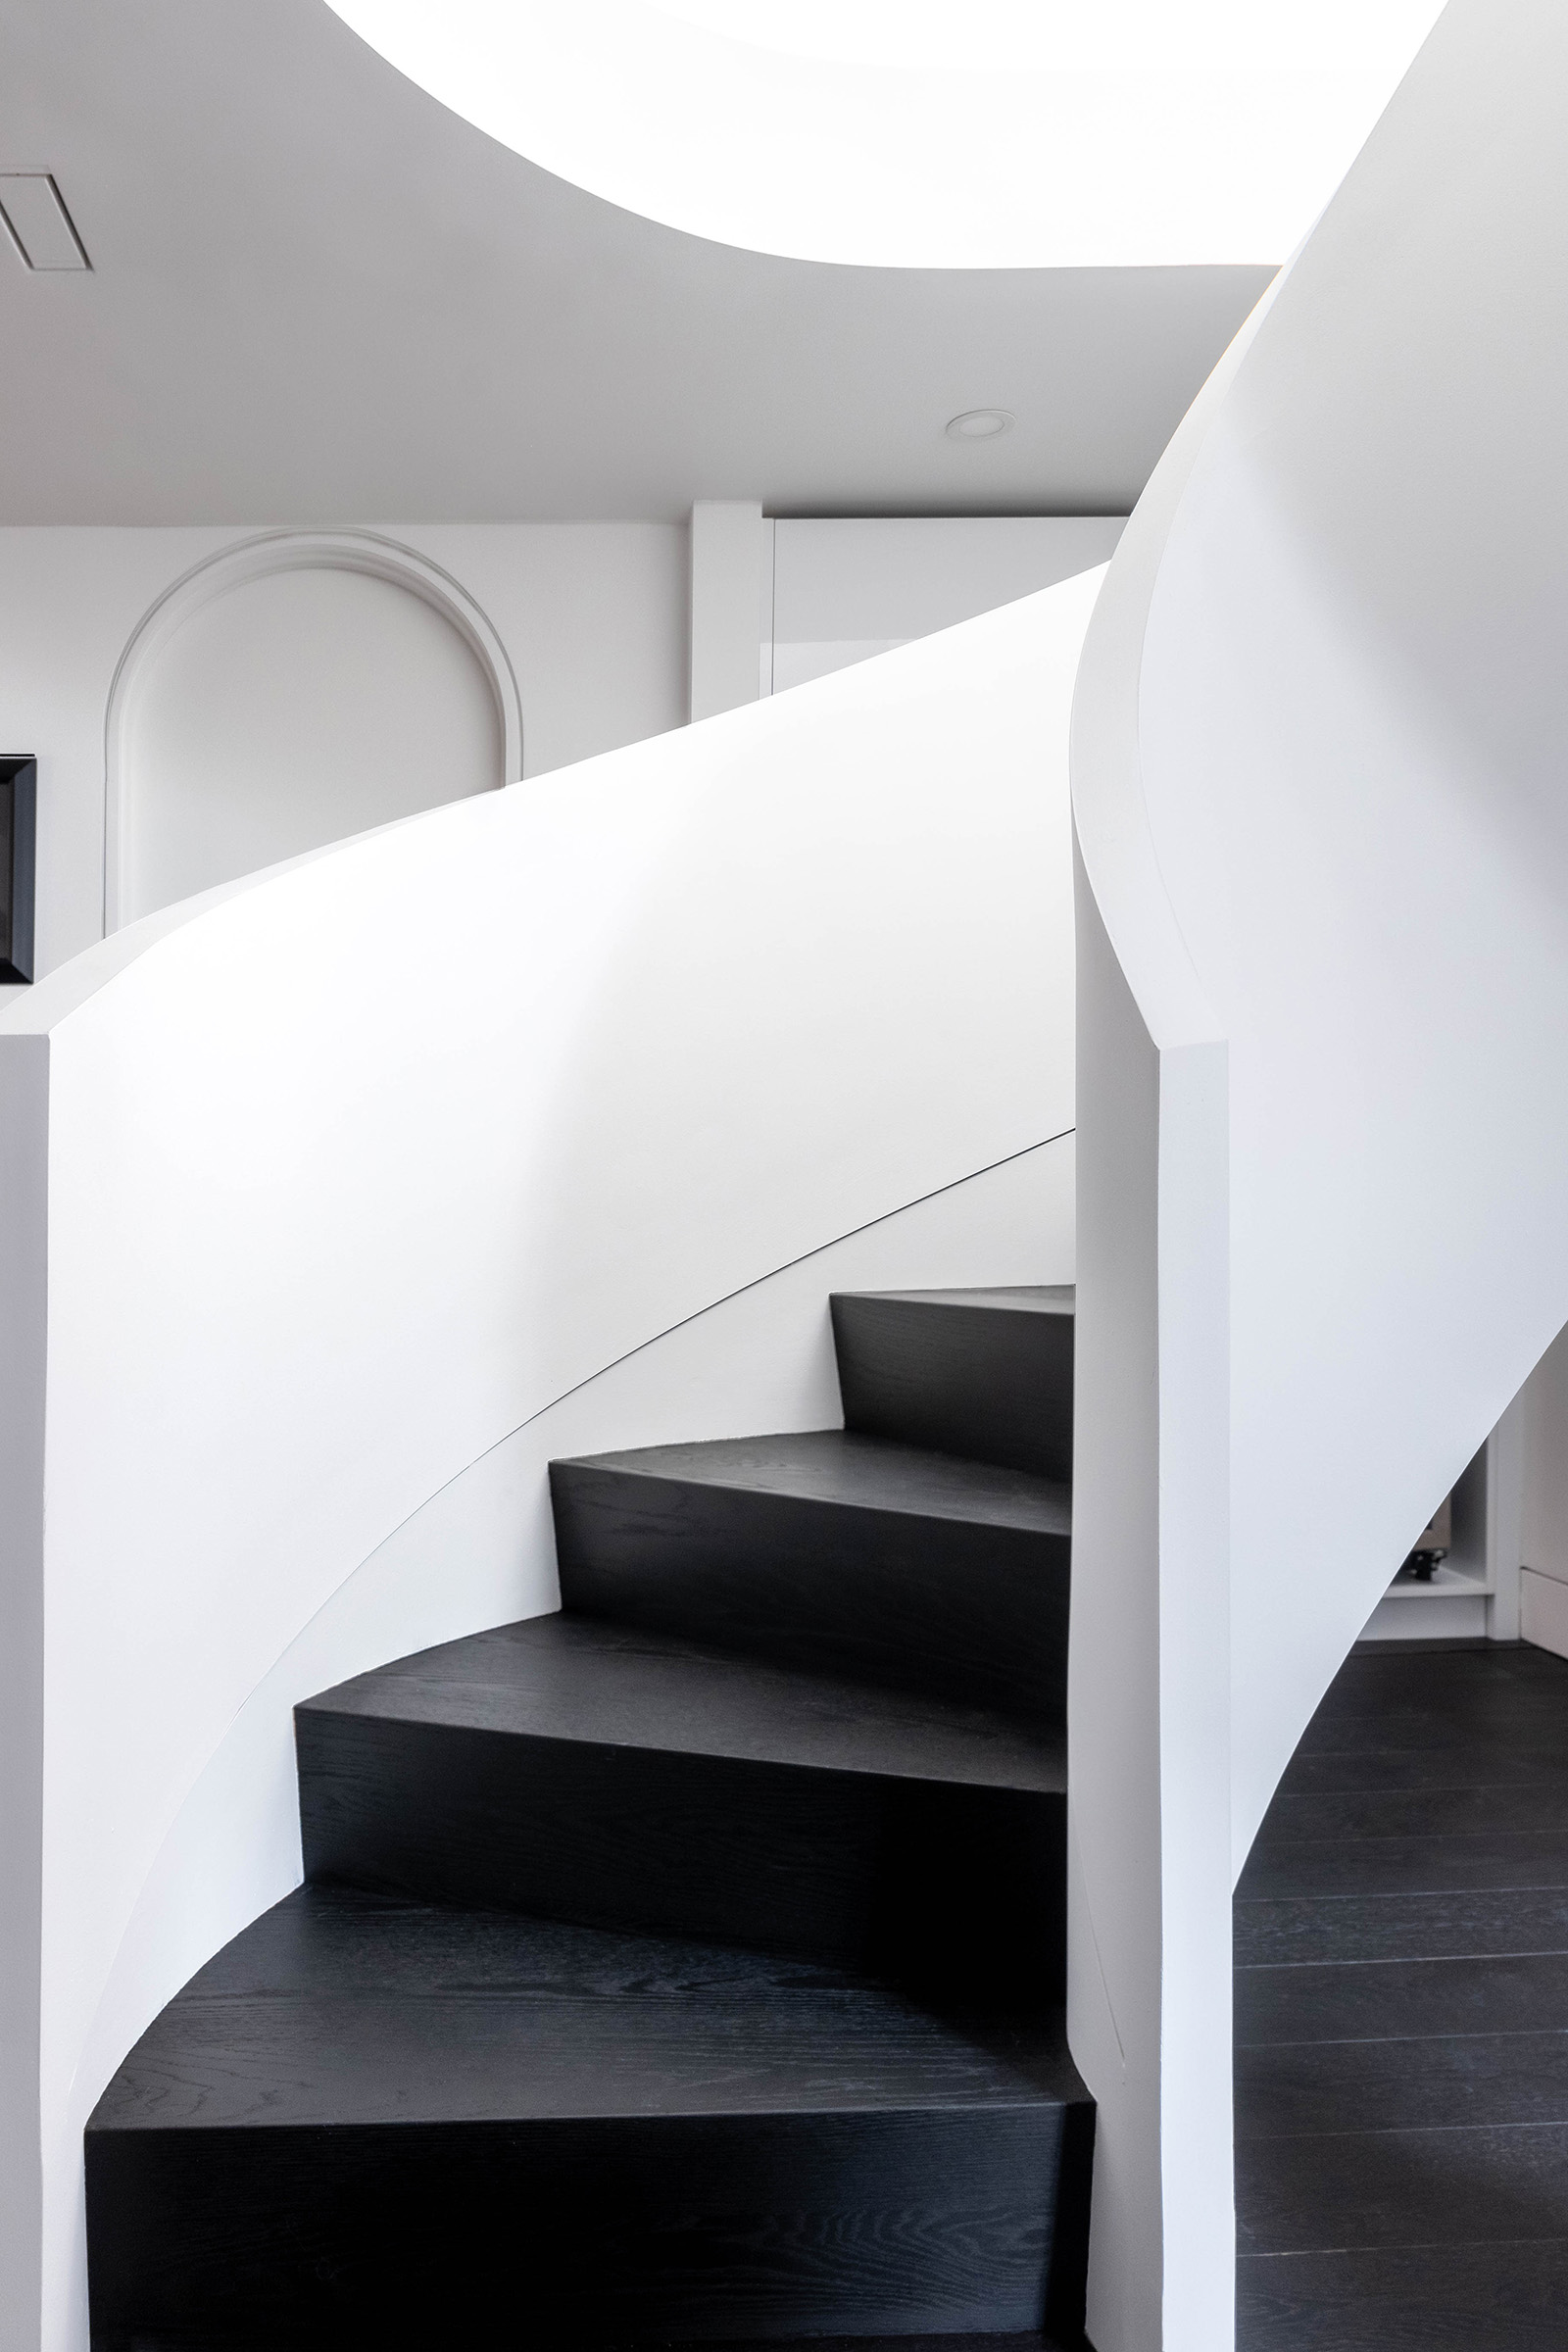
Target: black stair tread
(1036, 1298)
(590, 1679)
(339, 2008)
(984, 1374)
(1025, 2340)
(846, 1468)
(849, 1553)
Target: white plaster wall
(729, 587)
(593, 617)
(843, 588)
(1544, 1414)
(776, 603)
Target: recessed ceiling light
(978, 424)
(41, 229)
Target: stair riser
(992, 1383)
(585, 2233)
(944, 1884)
(971, 1613)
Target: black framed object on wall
(18, 841)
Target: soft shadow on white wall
(290, 712)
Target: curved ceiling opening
(913, 133)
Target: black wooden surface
(1401, 2016)
(1023, 2340)
(682, 1969)
(733, 2216)
(19, 852)
(372, 2114)
(848, 1553)
(589, 1679)
(341, 2007)
(982, 1373)
(594, 1771)
(1018, 2341)
(370, 2119)
(576, 2232)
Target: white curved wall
(303, 1224)
(1370, 565)
(1317, 781)
(293, 710)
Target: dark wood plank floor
(1401, 2015)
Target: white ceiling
(317, 295)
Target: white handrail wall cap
(1111, 812)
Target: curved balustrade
(332, 1202)
(1324, 1018)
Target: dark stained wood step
(601, 1772)
(987, 1374)
(376, 2121)
(834, 1550)
(1025, 2341)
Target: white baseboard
(1544, 1611)
(1434, 1617)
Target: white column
(23, 1319)
(1149, 1918)
(1508, 1507)
(727, 585)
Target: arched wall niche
(431, 679)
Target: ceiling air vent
(41, 229)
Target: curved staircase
(686, 1967)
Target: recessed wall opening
(293, 710)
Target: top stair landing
(985, 1374)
